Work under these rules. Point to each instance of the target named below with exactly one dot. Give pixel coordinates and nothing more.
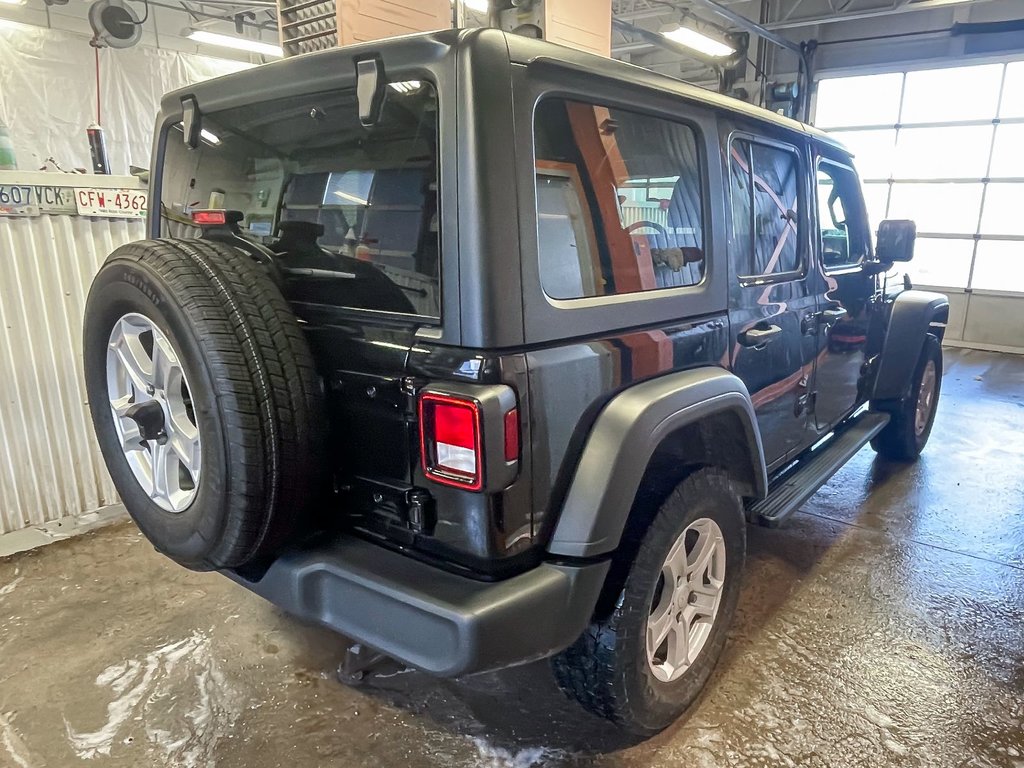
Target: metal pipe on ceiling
(183, 8)
(632, 47)
(240, 5)
(747, 25)
(874, 13)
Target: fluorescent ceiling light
(12, 2)
(477, 6)
(697, 41)
(210, 136)
(350, 198)
(406, 86)
(236, 43)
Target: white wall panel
(48, 95)
(50, 465)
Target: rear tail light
(451, 440)
(470, 440)
(208, 217)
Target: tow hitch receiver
(360, 662)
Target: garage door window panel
(1013, 91)
(951, 94)
(950, 178)
(1008, 151)
(939, 261)
(843, 101)
(1004, 212)
(999, 266)
(943, 153)
(619, 201)
(941, 208)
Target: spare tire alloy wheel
(206, 401)
(151, 402)
(686, 599)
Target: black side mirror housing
(895, 241)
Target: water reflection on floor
(884, 626)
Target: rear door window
(351, 213)
(619, 201)
(765, 199)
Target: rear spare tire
(205, 400)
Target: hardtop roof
(521, 50)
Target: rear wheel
(646, 662)
(911, 419)
(205, 400)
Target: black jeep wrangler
(480, 350)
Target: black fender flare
(619, 447)
(914, 315)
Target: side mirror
(895, 241)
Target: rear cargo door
(346, 219)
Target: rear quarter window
(620, 202)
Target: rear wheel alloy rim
(686, 599)
(155, 421)
(925, 398)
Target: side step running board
(813, 470)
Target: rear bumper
(436, 621)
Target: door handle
(827, 317)
(833, 315)
(757, 337)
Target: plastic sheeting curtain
(48, 95)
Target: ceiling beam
(896, 9)
(748, 25)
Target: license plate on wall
(17, 200)
(123, 203)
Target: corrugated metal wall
(50, 465)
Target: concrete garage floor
(884, 626)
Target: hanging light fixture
(235, 43)
(686, 33)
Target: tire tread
(268, 390)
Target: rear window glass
(350, 213)
(619, 201)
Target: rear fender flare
(623, 439)
(914, 315)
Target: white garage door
(944, 147)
